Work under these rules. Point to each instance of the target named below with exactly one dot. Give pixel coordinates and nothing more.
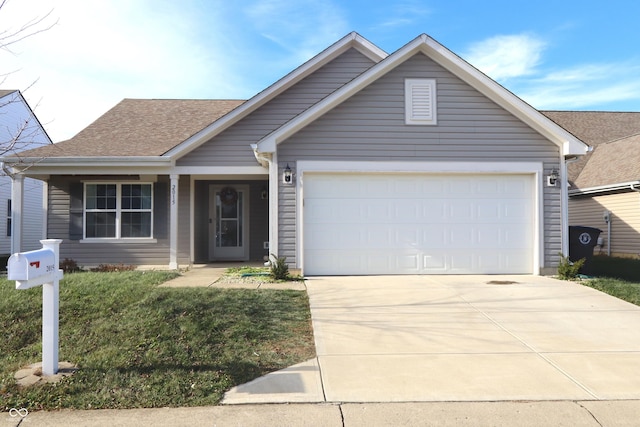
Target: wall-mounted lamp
(287, 175)
(553, 179)
(264, 194)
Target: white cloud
(302, 28)
(404, 13)
(583, 86)
(506, 56)
(101, 52)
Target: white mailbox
(28, 266)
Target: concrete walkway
(460, 338)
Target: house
(357, 162)
(20, 130)
(608, 179)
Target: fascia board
(351, 40)
(568, 143)
(89, 161)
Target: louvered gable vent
(420, 101)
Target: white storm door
(228, 223)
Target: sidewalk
(524, 414)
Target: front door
(228, 222)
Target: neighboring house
(20, 130)
(357, 162)
(608, 179)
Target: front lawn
(138, 345)
(627, 291)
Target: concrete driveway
(461, 338)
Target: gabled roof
(569, 144)
(594, 128)
(612, 165)
(140, 127)
(351, 40)
(171, 128)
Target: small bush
(69, 265)
(568, 270)
(108, 268)
(279, 268)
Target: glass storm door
(228, 219)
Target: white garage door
(359, 224)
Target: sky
(87, 55)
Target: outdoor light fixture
(264, 195)
(552, 179)
(287, 176)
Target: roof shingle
(594, 128)
(140, 127)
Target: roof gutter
(604, 188)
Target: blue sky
(561, 54)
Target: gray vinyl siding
(231, 147)
(370, 126)
(625, 220)
(93, 254)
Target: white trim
(45, 209)
(17, 208)
(350, 40)
(569, 144)
(118, 210)
(220, 170)
(274, 198)
(535, 169)
(125, 240)
(192, 227)
(174, 194)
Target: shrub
(568, 270)
(69, 265)
(279, 268)
(107, 268)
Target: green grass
(138, 345)
(627, 291)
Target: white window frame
(426, 113)
(118, 211)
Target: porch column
(173, 223)
(17, 206)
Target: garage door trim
(428, 168)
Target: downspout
(564, 195)
(632, 186)
(269, 161)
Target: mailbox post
(35, 268)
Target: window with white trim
(420, 101)
(118, 210)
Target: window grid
(118, 211)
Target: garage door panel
(411, 224)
